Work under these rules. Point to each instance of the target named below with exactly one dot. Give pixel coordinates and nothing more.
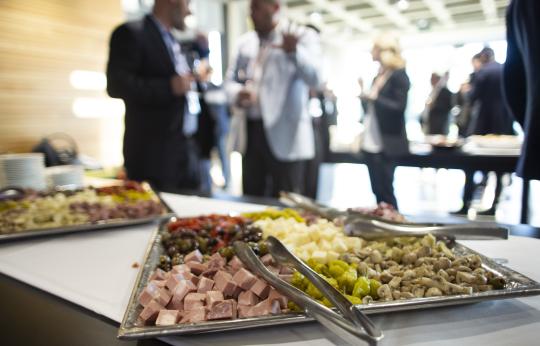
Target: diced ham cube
(231, 289)
(193, 256)
(158, 274)
(284, 270)
(273, 269)
(178, 294)
(286, 277)
(150, 312)
(205, 285)
(197, 268)
(247, 298)
(209, 273)
(167, 317)
(194, 279)
(222, 310)
(275, 295)
(265, 307)
(243, 311)
(216, 261)
(154, 292)
(195, 315)
(180, 268)
(261, 289)
(244, 279)
(235, 263)
(212, 297)
(221, 279)
(175, 279)
(267, 260)
(194, 300)
(158, 283)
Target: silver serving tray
(100, 225)
(518, 285)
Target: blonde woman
(384, 120)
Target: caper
(263, 248)
(172, 250)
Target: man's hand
(246, 98)
(180, 84)
(290, 39)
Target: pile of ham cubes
(214, 290)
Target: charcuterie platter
(27, 214)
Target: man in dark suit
(521, 76)
(148, 71)
(486, 93)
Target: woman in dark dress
(384, 106)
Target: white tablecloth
(95, 270)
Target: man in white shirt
(269, 81)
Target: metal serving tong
(372, 227)
(355, 324)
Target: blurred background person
(489, 116)
(149, 72)
(436, 116)
(384, 121)
(269, 80)
(463, 117)
(521, 77)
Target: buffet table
(82, 284)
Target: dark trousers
(381, 175)
(470, 186)
(262, 173)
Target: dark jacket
(139, 72)
(390, 113)
(521, 80)
(492, 116)
(439, 114)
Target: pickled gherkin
(373, 287)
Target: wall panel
(41, 43)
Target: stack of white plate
(65, 176)
(23, 170)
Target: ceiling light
(423, 24)
(403, 5)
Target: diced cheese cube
(332, 255)
(319, 256)
(339, 245)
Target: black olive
(172, 250)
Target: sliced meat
(235, 263)
(261, 289)
(179, 293)
(244, 279)
(193, 256)
(209, 273)
(194, 300)
(167, 317)
(222, 310)
(158, 283)
(195, 315)
(247, 298)
(243, 311)
(275, 295)
(197, 268)
(150, 312)
(213, 297)
(205, 285)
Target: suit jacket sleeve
(308, 59)
(396, 99)
(124, 72)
